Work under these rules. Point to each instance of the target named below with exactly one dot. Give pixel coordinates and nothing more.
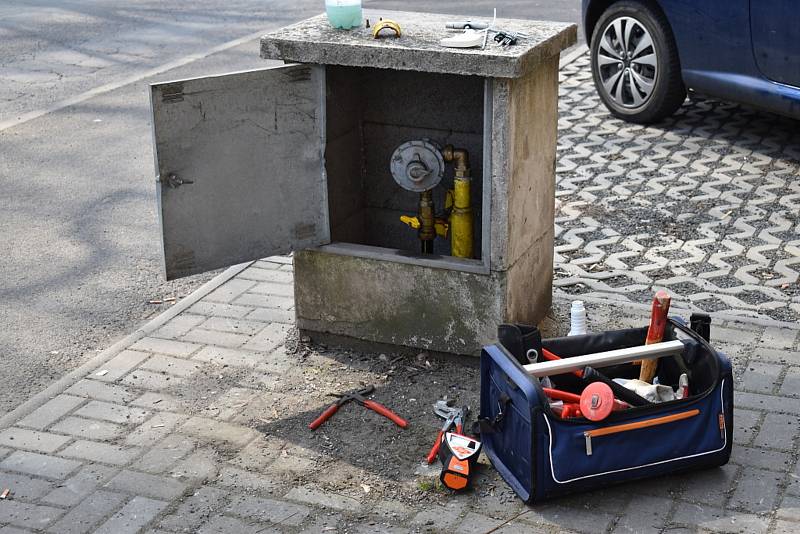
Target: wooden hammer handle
(655, 333)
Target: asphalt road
(80, 251)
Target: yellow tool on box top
(386, 24)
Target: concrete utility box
(297, 158)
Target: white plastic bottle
(577, 316)
(344, 14)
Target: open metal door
(240, 167)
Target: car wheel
(635, 63)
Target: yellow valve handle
(442, 227)
(385, 24)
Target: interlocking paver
(770, 403)
(272, 315)
(39, 465)
(269, 510)
(269, 338)
(51, 411)
(220, 339)
(26, 515)
(264, 301)
(229, 290)
(757, 490)
(165, 346)
(225, 525)
(143, 379)
(89, 513)
(231, 403)
(791, 382)
(179, 325)
(133, 517)
(235, 326)
(148, 485)
(311, 495)
(761, 377)
(100, 391)
(24, 487)
(216, 309)
(80, 485)
(88, 428)
(789, 508)
(159, 401)
(273, 288)
(242, 480)
(434, 517)
(779, 338)
(100, 452)
(34, 440)
(116, 413)
(200, 465)
(707, 487)
(223, 356)
(218, 431)
(765, 459)
(119, 365)
(266, 275)
(169, 365)
(154, 429)
(745, 425)
(778, 431)
(718, 520)
(785, 527)
(205, 503)
(686, 204)
(163, 457)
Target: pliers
(358, 396)
(453, 417)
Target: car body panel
(775, 27)
(716, 49)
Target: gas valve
(418, 166)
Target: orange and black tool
(359, 397)
(458, 454)
(453, 418)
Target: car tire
(635, 64)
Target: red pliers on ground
(453, 417)
(358, 396)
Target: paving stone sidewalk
(704, 203)
(201, 427)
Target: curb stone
(60, 385)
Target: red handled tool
(655, 332)
(453, 417)
(359, 397)
(596, 402)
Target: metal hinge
(172, 181)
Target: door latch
(173, 181)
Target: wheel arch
(595, 9)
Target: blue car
(647, 54)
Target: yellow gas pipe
(461, 215)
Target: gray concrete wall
(532, 132)
(397, 303)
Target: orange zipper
(589, 434)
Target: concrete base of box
(402, 304)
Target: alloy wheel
(627, 63)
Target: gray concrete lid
(315, 41)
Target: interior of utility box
(369, 113)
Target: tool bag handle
(484, 425)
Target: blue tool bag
(542, 456)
